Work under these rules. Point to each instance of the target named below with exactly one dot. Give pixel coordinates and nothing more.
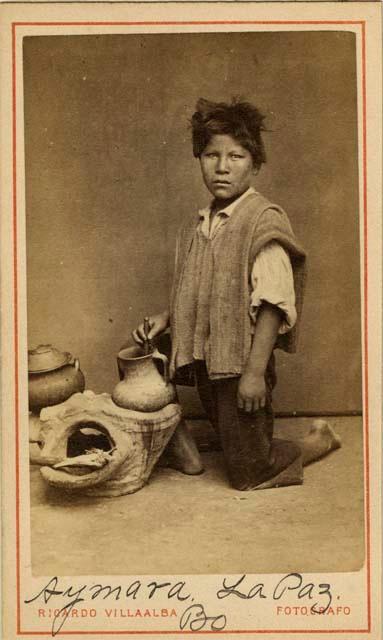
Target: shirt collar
(227, 211)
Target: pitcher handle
(156, 355)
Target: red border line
(362, 23)
(178, 632)
(183, 22)
(16, 323)
(367, 449)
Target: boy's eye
(236, 156)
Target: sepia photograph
(136, 144)
(191, 265)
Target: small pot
(53, 377)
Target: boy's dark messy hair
(241, 120)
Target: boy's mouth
(221, 182)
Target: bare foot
(181, 453)
(320, 440)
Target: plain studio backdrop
(110, 176)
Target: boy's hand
(157, 324)
(251, 392)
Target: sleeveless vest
(253, 223)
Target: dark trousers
(253, 458)
(251, 454)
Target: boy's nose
(222, 165)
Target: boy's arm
(252, 386)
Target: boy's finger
(262, 402)
(136, 336)
(248, 406)
(141, 332)
(239, 402)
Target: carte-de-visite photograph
(194, 303)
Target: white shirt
(271, 276)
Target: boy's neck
(218, 204)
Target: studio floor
(190, 525)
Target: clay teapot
(53, 377)
(142, 387)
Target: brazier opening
(88, 435)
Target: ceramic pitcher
(142, 386)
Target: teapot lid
(45, 357)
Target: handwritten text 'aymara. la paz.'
(194, 617)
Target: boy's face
(227, 167)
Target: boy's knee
(239, 485)
(238, 473)
(247, 470)
(193, 467)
